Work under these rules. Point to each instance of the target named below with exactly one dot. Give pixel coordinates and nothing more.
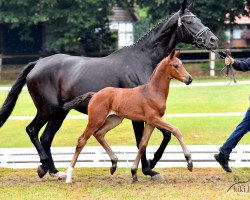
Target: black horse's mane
(155, 27)
(142, 38)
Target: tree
(213, 13)
(71, 21)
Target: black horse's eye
(176, 66)
(188, 22)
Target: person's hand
(229, 60)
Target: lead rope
(229, 68)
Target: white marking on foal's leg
(69, 174)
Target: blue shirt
(243, 65)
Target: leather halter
(198, 41)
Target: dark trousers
(236, 136)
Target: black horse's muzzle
(188, 80)
(208, 40)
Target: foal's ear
(172, 54)
(191, 7)
(177, 54)
(184, 6)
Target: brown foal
(108, 107)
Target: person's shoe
(223, 162)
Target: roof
(121, 15)
(242, 20)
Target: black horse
(57, 79)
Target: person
(224, 152)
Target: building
(239, 36)
(122, 22)
(13, 50)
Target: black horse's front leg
(138, 130)
(158, 154)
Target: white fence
(95, 156)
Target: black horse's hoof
(112, 170)
(157, 177)
(149, 172)
(41, 171)
(190, 166)
(134, 180)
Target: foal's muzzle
(188, 80)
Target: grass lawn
(98, 184)
(211, 130)
(229, 98)
(208, 130)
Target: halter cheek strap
(197, 37)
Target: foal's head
(176, 69)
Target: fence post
(212, 64)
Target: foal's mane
(163, 61)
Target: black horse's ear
(172, 54)
(184, 6)
(191, 6)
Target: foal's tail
(14, 92)
(77, 101)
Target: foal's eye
(176, 66)
(188, 22)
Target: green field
(205, 130)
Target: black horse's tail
(14, 92)
(77, 101)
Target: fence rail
(95, 156)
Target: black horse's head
(190, 28)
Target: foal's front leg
(142, 148)
(138, 131)
(158, 154)
(158, 122)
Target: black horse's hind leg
(33, 130)
(48, 136)
(138, 130)
(160, 151)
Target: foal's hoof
(157, 177)
(41, 171)
(112, 170)
(59, 175)
(190, 166)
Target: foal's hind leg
(82, 140)
(111, 122)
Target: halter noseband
(197, 37)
